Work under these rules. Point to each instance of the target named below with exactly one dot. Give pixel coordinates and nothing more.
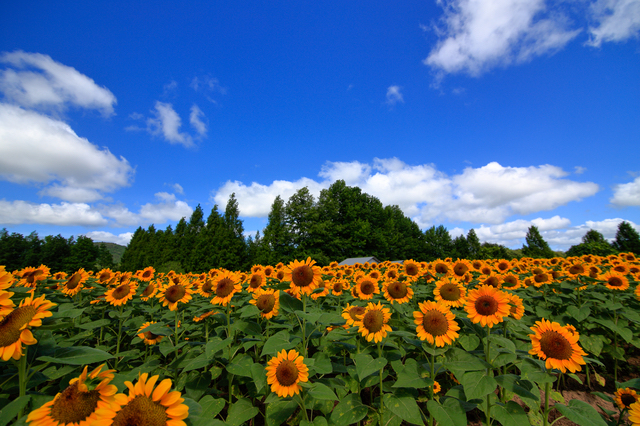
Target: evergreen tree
(627, 239)
(83, 255)
(133, 256)
(233, 253)
(33, 253)
(300, 218)
(461, 249)
(496, 251)
(55, 252)
(276, 244)
(13, 248)
(474, 244)
(438, 242)
(105, 258)
(536, 246)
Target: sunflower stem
(22, 379)
(119, 334)
(381, 390)
(302, 407)
(304, 325)
(433, 377)
(547, 391)
(489, 371)
(175, 334)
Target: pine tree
(536, 246)
(276, 244)
(627, 239)
(474, 244)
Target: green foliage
(536, 246)
(593, 242)
(627, 239)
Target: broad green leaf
(240, 412)
(451, 414)
(366, 365)
(279, 411)
(215, 345)
(197, 384)
(469, 341)
(513, 383)
(322, 391)
(95, 324)
(200, 361)
(410, 376)
(581, 413)
(277, 342)
(12, 409)
(511, 414)
(591, 343)
(504, 343)
(77, 355)
(349, 411)
(633, 383)
(317, 421)
(579, 314)
(289, 303)
(322, 363)
(210, 408)
(458, 360)
(478, 384)
(259, 376)
(403, 406)
(241, 366)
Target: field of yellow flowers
(447, 342)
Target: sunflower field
(450, 342)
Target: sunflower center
(104, 277)
(615, 282)
(355, 312)
(224, 287)
(147, 291)
(441, 268)
(627, 399)
(510, 280)
(576, 269)
(73, 406)
(280, 275)
(302, 276)
(435, 323)
(541, 278)
(207, 286)
(367, 287)
(268, 271)
(486, 305)
(146, 275)
(503, 266)
(555, 345)
(256, 281)
(460, 269)
(175, 293)
(287, 373)
(337, 287)
(411, 269)
(373, 320)
(265, 303)
(121, 291)
(397, 290)
(10, 326)
(141, 411)
(74, 281)
(392, 274)
(620, 268)
(492, 281)
(450, 292)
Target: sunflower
(461, 267)
(492, 279)
(77, 405)
(285, 371)
(510, 281)
(435, 323)
(397, 291)
(256, 281)
(226, 284)
(625, 397)
(268, 301)
(436, 387)
(615, 281)
(621, 268)
(411, 267)
(6, 304)
(148, 337)
(303, 276)
(634, 413)
(516, 307)
(351, 313)
(391, 274)
(14, 328)
(487, 305)
(172, 293)
(59, 276)
(441, 267)
(367, 287)
(450, 292)
(205, 286)
(557, 346)
(29, 276)
(338, 286)
(373, 322)
(75, 282)
(149, 291)
(325, 290)
(575, 270)
(542, 278)
(503, 265)
(146, 274)
(122, 294)
(477, 264)
(145, 406)
(105, 275)
(256, 268)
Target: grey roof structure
(354, 260)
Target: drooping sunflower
(268, 301)
(285, 371)
(450, 292)
(6, 278)
(555, 344)
(516, 306)
(146, 274)
(148, 337)
(303, 276)
(256, 281)
(122, 294)
(367, 287)
(397, 291)
(372, 324)
(487, 305)
(351, 313)
(29, 276)
(77, 405)
(226, 284)
(614, 280)
(625, 397)
(14, 328)
(174, 292)
(435, 323)
(75, 282)
(145, 405)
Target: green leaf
(512, 383)
(200, 361)
(633, 383)
(403, 406)
(317, 421)
(276, 343)
(70, 313)
(278, 412)
(504, 343)
(511, 414)
(95, 324)
(626, 334)
(469, 341)
(322, 363)
(240, 412)
(349, 411)
(322, 391)
(210, 408)
(579, 314)
(197, 384)
(410, 376)
(592, 344)
(366, 365)
(77, 355)
(12, 409)
(478, 384)
(289, 303)
(215, 345)
(459, 360)
(451, 414)
(581, 413)
(241, 366)
(259, 376)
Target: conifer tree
(536, 246)
(627, 239)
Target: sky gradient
(487, 114)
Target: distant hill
(116, 250)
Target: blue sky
(485, 114)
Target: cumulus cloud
(167, 123)
(617, 20)
(627, 194)
(393, 95)
(107, 237)
(476, 35)
(34, 80)
(65, 214)
(488, 194)
(196, 121)
(167, 208)
(35, 149)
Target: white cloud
(477, 35)
(37, 81)
(393, 95)
(166, 209)
(196, 122)
(178, 188)
(617, 20)
(488, 194)
(64, 214)
(37, 149)
(207, 84)
(107, 237)
(627, 194)
(167, 122)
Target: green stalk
(119, 334)
(301, 404)
(488, 410)
(381, 390)
(175, 336)
(433, 377)
(547, 390)
(304, 325)
(22, 379)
